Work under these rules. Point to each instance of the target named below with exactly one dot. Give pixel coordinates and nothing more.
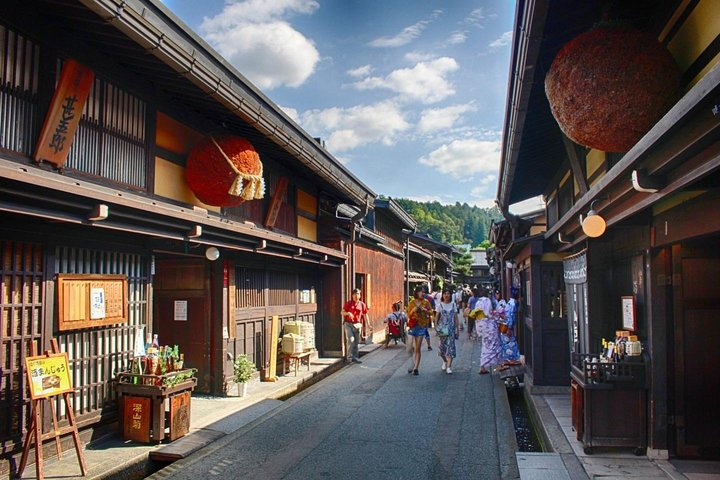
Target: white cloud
(434, 119)
(360, 71)
(255, 37)
(407, 35)
(349, 128)
(484, 203)
(425, 198)
(502, 41)
(291, 112)
(425, 82)
(457, 38)
(464, 158)
(475, 18)
(416, 57)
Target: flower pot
(242, 389)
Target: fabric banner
(575, 274)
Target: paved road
(374, 421)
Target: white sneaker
(449, 370)
(444, 366)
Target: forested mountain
(454, 224)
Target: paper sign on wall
(181, 308)
(97, 303)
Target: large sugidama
(608, 86)
(225, 171)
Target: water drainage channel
(525, 431)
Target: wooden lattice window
(98, 354)
(110, 141)
(250, 287)
(21, 307)
(282, 288)
(19, 71)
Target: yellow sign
(48, 375)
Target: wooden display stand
(144, 405)
(49, 376)
(608, 403)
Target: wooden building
(439, 255)
(378, 257)
(204, 277)
(660, 201)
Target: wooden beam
(574, 157)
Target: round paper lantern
(225, 171)
(610, 85)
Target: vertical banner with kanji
(64, 114)
(136, 418)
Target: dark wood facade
(120, 205)
(660, 243)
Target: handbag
(443, 331)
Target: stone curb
(552, 436)
(507, 442)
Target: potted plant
(243, 370)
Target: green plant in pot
(243, 369)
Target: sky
(408, 94)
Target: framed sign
(628, 313)
(48, 375)
(87, 300)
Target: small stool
(295, 359)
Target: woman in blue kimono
(510, 352)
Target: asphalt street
(374, 421)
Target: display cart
(146, 400)
(609, 402)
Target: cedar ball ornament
(608, 86)
(225, 171)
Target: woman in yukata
(487, 328)
(510, 352)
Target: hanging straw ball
(225, 171)
(610, 85)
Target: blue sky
(408, 94)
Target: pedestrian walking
(446, 326)
(487, 328)
(510, 351)
(354, 314)
(419, 313)
(471, 305)
(431, 299)
(395, 321)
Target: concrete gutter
(552, 436)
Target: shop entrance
(182, 312)
(696, 312)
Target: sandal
(483, 371)
(415, 372)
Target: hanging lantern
(610, 85)
(225, 171)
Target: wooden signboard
(276, 201)
(179, 415)
(88, 300)
(64, 114)
(136, 418)
(48, 375)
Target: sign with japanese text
(91, 300)
(64, 114)
(180, 310)
(136, 418)
(48, 375)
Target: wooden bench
(295, 359)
